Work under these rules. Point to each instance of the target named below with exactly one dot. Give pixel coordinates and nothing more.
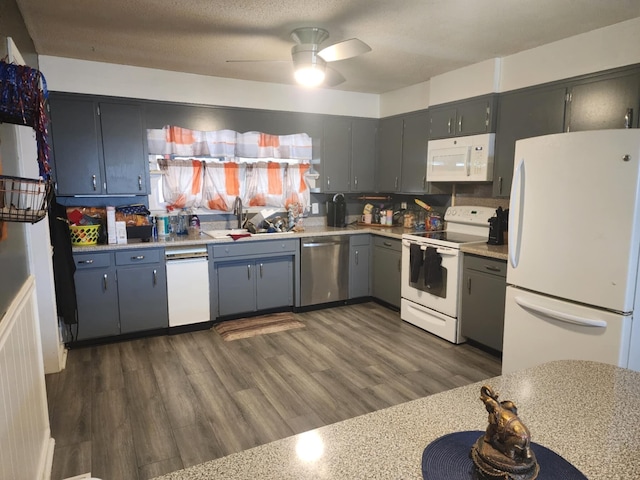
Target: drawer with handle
(486, 265)
(91, 260)
(139, 256)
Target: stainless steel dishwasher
(324, 265)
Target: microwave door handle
(467, 163)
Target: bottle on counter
(194, 225)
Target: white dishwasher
(187, 285)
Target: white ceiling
(412, 40)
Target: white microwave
(461, 159)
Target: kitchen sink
(225, 233)
(239, 231)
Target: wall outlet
(314, 208)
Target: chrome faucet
(237, 210)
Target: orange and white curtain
(215, 185)
(178, 141)
(182, 182)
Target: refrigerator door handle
(561, 316)
(516, 204)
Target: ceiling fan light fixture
(309, 69)
(309, 75)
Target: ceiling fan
(310, 61)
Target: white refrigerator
(574, 245)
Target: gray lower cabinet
(482, 300)
(253, 276)
(120, 292)
(142, 290)
(359, 266)
(97, 296)
(387, 254)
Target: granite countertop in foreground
(501, 252)
(587, 412)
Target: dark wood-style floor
(138, 409)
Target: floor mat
(250, 327)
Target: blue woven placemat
(448, 458)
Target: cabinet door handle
(628, 118)
(424, 182)
(104, 281)
(499, 184)
(396, 183)
(249, 271)
(355, 181)
(85, 262)
(93, 182)
(469, 286)
(356, 257)
(491, 269)
(449, 126)
(386, 244)
(328, 182)
(155, 277)
(460, 124)
(139, 182)
(261, 270)
(138, 257)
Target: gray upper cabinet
(75, 128)
(468, 117)
(336, 154)
(98, 146)
(610, 102)
(348, 154)
(414, 153)
(524, 114)
(364, 133)
(123, 143)
(389, 155)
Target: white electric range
(432, 270)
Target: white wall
(80, 76)
(409, 99)
(609, 47)
(478, 79)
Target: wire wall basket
(24, 199)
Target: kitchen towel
(416, 259)
(432, 268)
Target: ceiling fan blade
(343, 50)
(332, 77)
(257, 61)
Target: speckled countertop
(203, 239)
(587, 412)
(501, 252)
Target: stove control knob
(452, 211)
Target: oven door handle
(441, 250)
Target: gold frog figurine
(504, 451)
